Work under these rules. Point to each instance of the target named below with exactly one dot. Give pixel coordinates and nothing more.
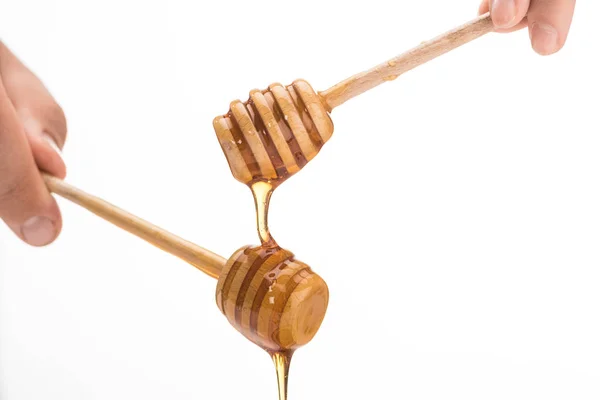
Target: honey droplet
(390, 78)
(392, 63)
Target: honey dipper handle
(427, 51)
(206, 261)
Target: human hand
(548, 21)
(32, 130)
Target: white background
(455, 213)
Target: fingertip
(484, 7)
(58, 168)
(56, 219)
(47, 155)
(40, 230)
(544, 38)
(549, 24)
(504, 13)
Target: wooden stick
(390, 70)
(206, 261)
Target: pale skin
(548, 21)
(33, 128)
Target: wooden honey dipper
(271, 298)
(279, 130)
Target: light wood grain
(205, 260)
(274, 300)
(275, 133)
(391, 69)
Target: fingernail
(504, 13)
(51, 142)
(544, 38)
(38, 231)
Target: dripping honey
(282, 362)
(262, 192)
(274, 300)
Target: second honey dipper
(274, 300)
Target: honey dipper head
(275, 133)
(274, 300)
